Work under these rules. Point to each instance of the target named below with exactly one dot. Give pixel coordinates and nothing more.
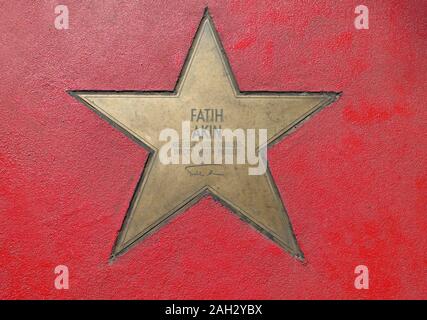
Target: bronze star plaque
(206, 84)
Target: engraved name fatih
(203, 141)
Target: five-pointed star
(206, 81)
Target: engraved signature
(205, 170)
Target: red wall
(353, 178)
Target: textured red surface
(355, 174)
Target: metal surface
(206, 82)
